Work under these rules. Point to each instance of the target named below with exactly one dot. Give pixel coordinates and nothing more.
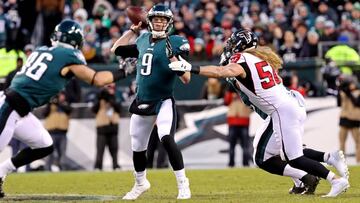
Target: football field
(227, 185)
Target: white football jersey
(262, 84)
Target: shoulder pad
(237, 58)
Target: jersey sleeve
(75, 57)
(180, 45)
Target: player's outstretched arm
(230, 70)
(125, 38)
(185, 78)
(92, 77)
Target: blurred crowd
(291, 27)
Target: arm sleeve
(127, 51)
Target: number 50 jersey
(262, 85)
(40, 78)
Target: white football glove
(180, 65)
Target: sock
(293, 172)
(6, 167)
(140, 176)
(180, 174)
(330, 176)
(297, 182)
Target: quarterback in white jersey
(254, 70)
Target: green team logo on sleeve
(35, 66)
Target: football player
(154, 102)
(44, 75)
(254, 71)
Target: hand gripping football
(137, 14)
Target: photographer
(57, 115)
(349, 101)
(107, 122)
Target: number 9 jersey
(155, 80)
(40, 78)
(262, 84)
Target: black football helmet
(163, 11)
(241, 40)
(68, 32)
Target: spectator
(199, 53)
(2, 27)
(212, 89)
(330, 73)
(349, 101)
(310, 46)
(330, 33)
(107, 123)
(238, 119)
(344, 56)
(51, 12)
(290, 49)
(57, 116)
(328, 12)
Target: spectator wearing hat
(330, 33)
(310, 46)
(320, 24)
(199, 53)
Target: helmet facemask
(160, 11)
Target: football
(137, 14)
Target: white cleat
(184, 189)
(137, 190)
(338, 186)
(337, 160)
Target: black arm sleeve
(127, 51)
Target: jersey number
(35, 67)
(146, 64)
(267, 74)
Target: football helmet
(163, 11)
(241, 40)
(68, 32)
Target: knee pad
(138, 143)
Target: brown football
(137, 14)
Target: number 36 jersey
(262, 84)
(40, 79)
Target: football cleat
(338, 186)
(184, 189)
(137, 190)
(310, 182)
(337, 160)
(297, 190)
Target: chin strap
(158, 34)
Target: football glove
(180, 65)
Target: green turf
(228, 185)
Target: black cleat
(310, 182)
(2, 193)
(297, 190)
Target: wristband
(93, 79)
(118, 74)
(132, 30)
(195, 69)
